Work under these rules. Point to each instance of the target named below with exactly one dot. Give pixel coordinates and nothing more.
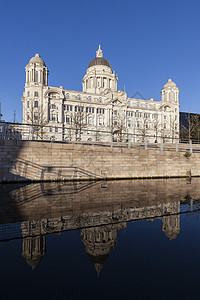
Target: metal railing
(102, 137)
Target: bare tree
(79, 122)
(38, 121)
(119, 128)
(144, 129)
(174, 130)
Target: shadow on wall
(14, 168)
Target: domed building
(100, 112)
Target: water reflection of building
(171, 223)
(99, 242)
(33, 247)
(171, 226)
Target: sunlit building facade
(100, 112)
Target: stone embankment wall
(35, 160)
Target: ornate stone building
(100, 112)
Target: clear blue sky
(146, 42)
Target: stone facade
(100, 112)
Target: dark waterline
(100, 240)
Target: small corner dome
(170, 83)
(37, 59)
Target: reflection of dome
(37, 59)
(98, 261)
(33, 250)
(99, 242)
(33, 262)
(170, 83)
(99, 61)
(172, 235)
(171, 226)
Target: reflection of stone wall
(51, 200)
(22, 160)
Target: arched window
(78, 97)
(67, 96)
(89, 98)
(100, 100)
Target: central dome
(99, 61)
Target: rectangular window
(53, 117)
(50, 129)
(67, 119)
(53, 106)
(69, 108)
(56, 129)
(101, 121)
(35, 103)
(27, 104)
(36, 94)
(28, 94)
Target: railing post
(161, 145)
(190, 146)
(176, 145)
(145, 144)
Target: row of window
(138, 104)
(35, 104)
(36, 94)
(78, 97)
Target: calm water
(105, 240)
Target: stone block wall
(35, 160)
